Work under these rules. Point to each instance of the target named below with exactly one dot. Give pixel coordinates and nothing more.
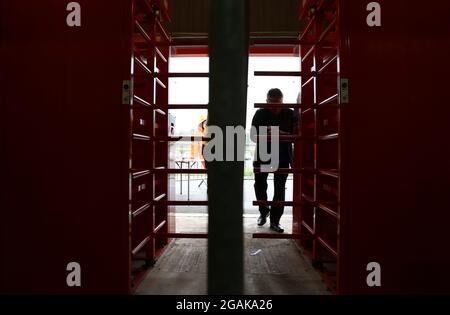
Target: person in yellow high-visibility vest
(197, 147)
(203, 128)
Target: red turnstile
(316, 148)
(148, 114)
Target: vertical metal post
(228, 52)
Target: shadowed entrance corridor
(271, 266)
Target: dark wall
(396, 206)
(272, 16)
(64, 147)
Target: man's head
(275, 96)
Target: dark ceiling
(267, 17)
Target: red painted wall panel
(395, 207)
(64, 146)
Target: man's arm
(255, 126)
(295, 131)
(295, 122)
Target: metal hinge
(344, 91)
(126, 92)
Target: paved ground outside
(197, 188)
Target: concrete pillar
(228, 51)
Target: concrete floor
(271, 266)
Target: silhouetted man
(286, 119)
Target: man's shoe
(277, 228)
(262, 219)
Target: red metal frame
(317, 219)
(319, 73)
(263, 50)
(148, 115)
(316, 99)
(319, 101)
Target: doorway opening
(266, 261)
